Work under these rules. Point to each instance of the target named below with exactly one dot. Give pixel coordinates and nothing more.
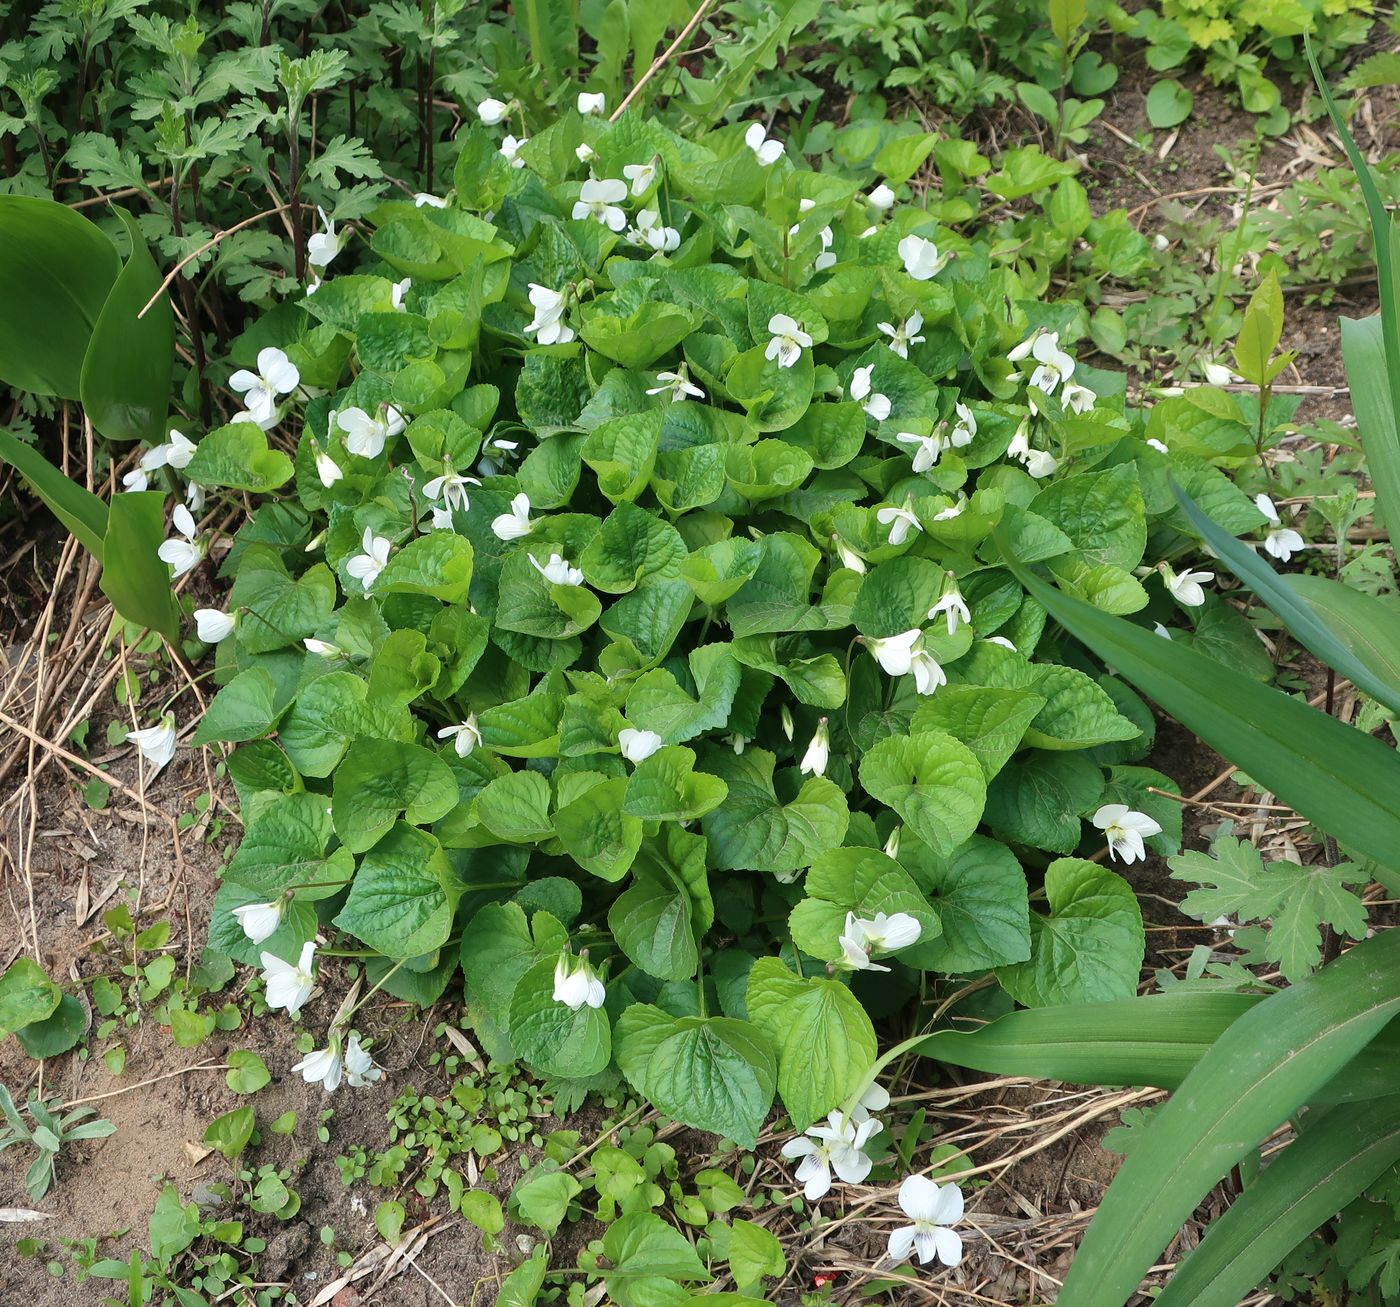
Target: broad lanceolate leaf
(1351, 632)
(133, 576)
(1340, 1153)
(1345, 781)
(125, 383)
(712, 1073)
(82, 512)
(1262, 1069)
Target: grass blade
(1297, 608)
(1155, 1040)
(1340, 778)
(1264, 1067)
(1372, 356)
(1334, 1159)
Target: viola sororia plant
(628, 630)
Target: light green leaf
(238, 457)
(932, 781)
(403, 895)
(380, 779)
(551, 1037)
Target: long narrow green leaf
(1335, 1158)
(134, 577)
(82, 512)
(1341, 779)
(1368, 627)
(1154, 1040)
(1264, 1067)
(1370, 620)
(1373, 367)
(552, 33)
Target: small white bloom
(592, 102)
(818, 752)
(327, 469)
(766, 150)
(558, 571)
(211, 625)
(194, 497)
(881, 198)
(323, 648)
(465, 737)
(901, 521)
(510, 150)
(1185, 587)
(789, 340)
(922, 261)
(785, 720)
(182, 555)
(1282, 542)
(599, 198)
(1040, 463)
(826, 258)
(442, 519)
(895, 653)
(1159, 629)
(1217, 374)
(323, 1067)
(904, 335)
(451, 487)
(585, 152)
(929, 449)
(575, 984)
(156, 743)
(932, 1208)
(368, 565)
(876, 405)
(360, 1069)
(965, 428)
(1159, 446)
(516, 524)
(1001, 640)
(276, 375)
(136, 479)
(891, 851)
(878, 934)
(259, 920)
(638, 745)
(953, 510)
(176, 452)
(1077, 398)
(928, 672)
(548, 322)
(641, 175)
(1124, 830)
(397, 293)
(432, 201)
(848, 556)
(289, 986)
(653, 234)
(324, 245)
(493, 112)
(365, 435)
(678, 383)
(952, 604)
(836, 1146)
(1055, 365)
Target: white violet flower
(952, 604)
(368, 565)
(558, 571)
(289, 985)
(922, 261)
(932, 1208)
(1125, 830)
(878, 934)
(575, 984)
(818, 752)
(176, 452)
(548, 324)
(493, 112)
(515, 524)
(397, 293)
(594, 102)
(901, 521)
(965, 428)
(182, 555)
(510, 150)
(366, 435)
(876, 405)
(212, 625)
(848, 556)
(422, 198)
(259, 920)
(836, 1146)
(324, 245)
(324, 1067)
(881, 198)
(1185, 587)
(789, 340)
(929, 449)
(327, 469)
(1282, 542)
(641, 175)
(156, 743)
(637, 745)
(678, 384)
(276, 375)
(600, 199)
(767, 150)
(360, 1069)
(451, 487)
(904, 335)
(465, 736)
